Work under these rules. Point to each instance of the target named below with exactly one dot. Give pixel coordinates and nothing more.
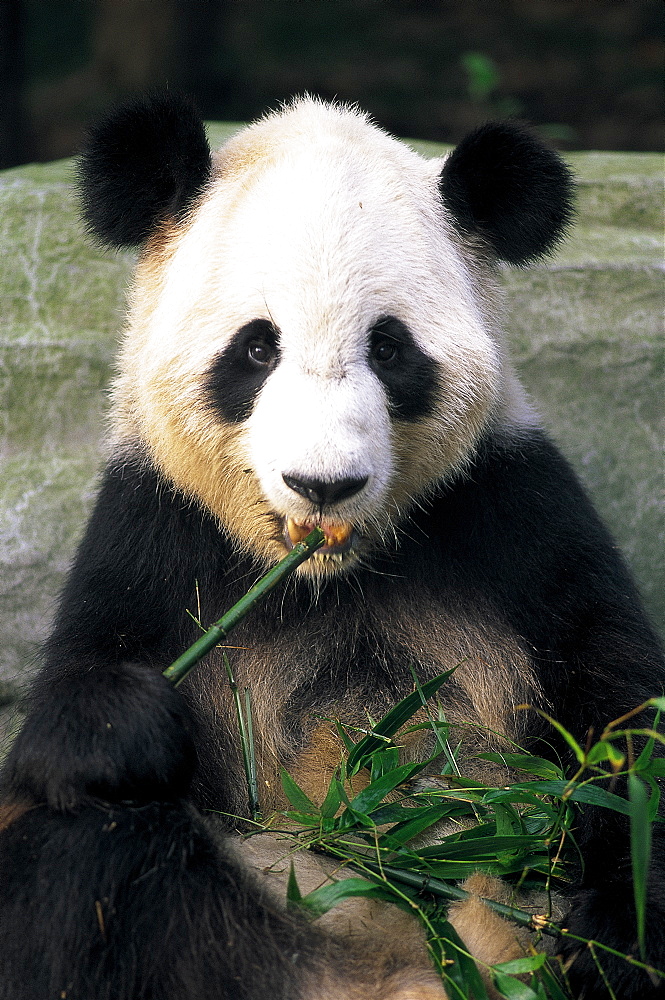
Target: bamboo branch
(437, 887)
(217, 632)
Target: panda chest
(352, 665)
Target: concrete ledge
(586, 331)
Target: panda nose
(320, 492)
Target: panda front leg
(112, 885)
(135, 902)
(525, 534)
(616, 653)
(141, 902)
(102, 723)
(608, 915)
(602, 910)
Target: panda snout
(341, 535)
(322, 492)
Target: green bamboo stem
(443, 889)
(217, 632)
(250, 766)
(246, 741)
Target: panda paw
(607, 916)
(118, 733)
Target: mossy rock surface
(585, 327)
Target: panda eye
(385, 350)
(261, 352)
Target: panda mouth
(340, 538)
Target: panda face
(309, 346)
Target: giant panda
(313, 338)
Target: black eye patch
(238, 372)
(409, 376)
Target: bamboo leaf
(654, 800)
(640, 851)
(341, 789)
(512, 989)
(589, 794)
(384, 761)
(333, 799)
(594, 796)
(392, 722)
(447, 871)
(568, 737)
(249, 756)
(616, 758)
(244, 718)
(376, 791)
(394, 812)
(600, 751)
(518, 966)
(522, 794)
(319, 901)
(344, 736)
(552, 984)
(293, 894)
(305, 819)
(296, 796)
(645, 757)
(424, 818)
(539, 766)
(351, 817)
(507, 820)
(477, 847)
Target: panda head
(312, 335)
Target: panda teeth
(339, 538)
(337, 557)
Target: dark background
(587, 73)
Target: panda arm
(121, 890)
(521, 530)
(146, 903)
(102, 722)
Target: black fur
(235, 376)
(409, 376)
(84, 713)
(515, 542)
(142, 164)
(504, 184)
(139, 903)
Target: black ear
(145, 162)
(506, 185)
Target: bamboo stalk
(437, 887)
(252, 779)
(217, 632)
(244, 717)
